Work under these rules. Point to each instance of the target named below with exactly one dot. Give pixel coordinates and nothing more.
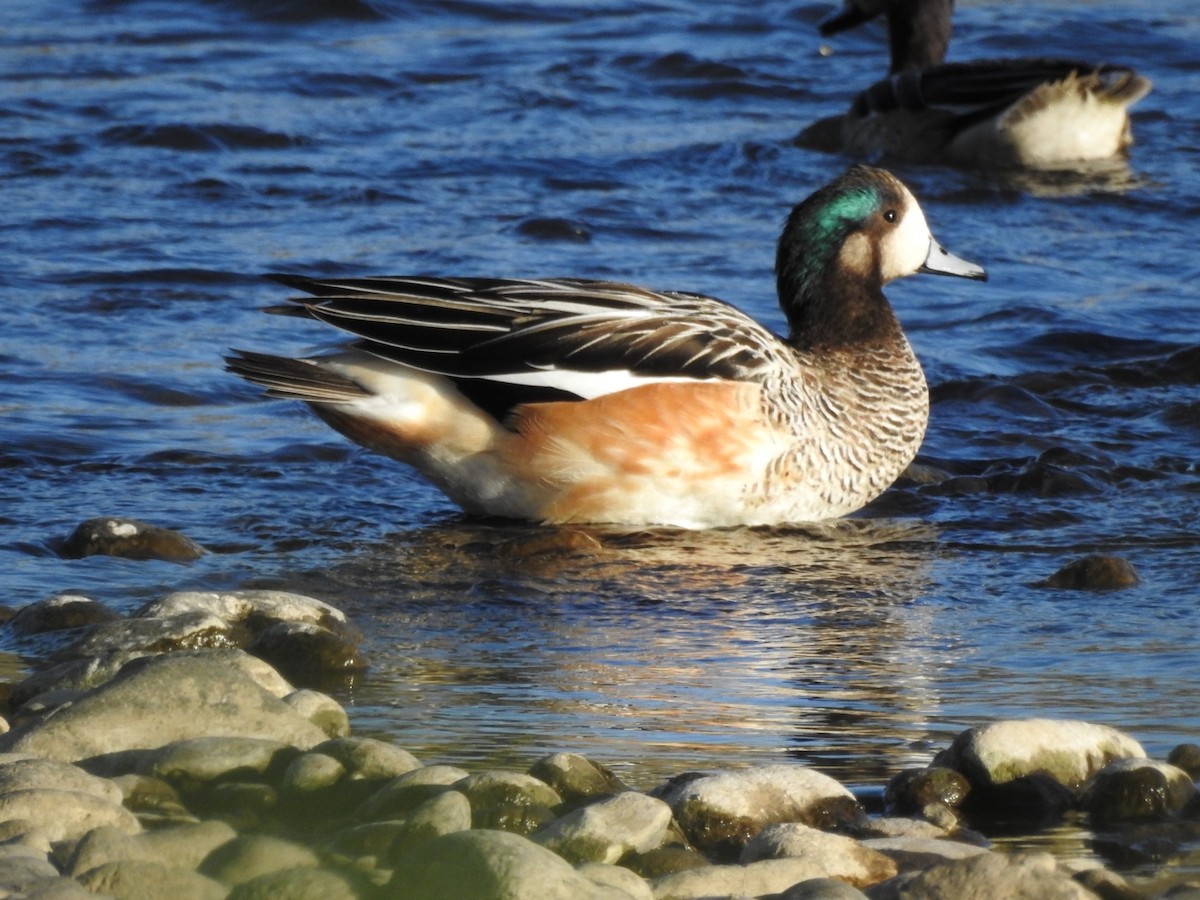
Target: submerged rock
(131, 539)
(1094, 573)
(60, 612)
(1133, 789)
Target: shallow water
(157, 156)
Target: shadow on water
(496, 642)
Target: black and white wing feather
(975, 91)
(507, 341)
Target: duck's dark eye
(890, 216)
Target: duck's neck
(831, 308)
(919, 32)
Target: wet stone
(1129, 790)
(256, 610)
(1186, 757)
(60, 612)
(130, 539)
(192, 763)
(308, 654)
(189, 631)
(1094, 573)
(664, 861)
(913, 789)
(509, 801)
(575, 778)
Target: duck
(1030, 113)
(578, 401)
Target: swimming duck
(569, 400)
(1005, 113)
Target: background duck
(1003, 113)
(567, 400)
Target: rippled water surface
(157, 156)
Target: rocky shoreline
(170, 753)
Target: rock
(135, 879)
(575, 778)
(190, 631)
(193, 762)
(509, 801)
(836, 856)
(88, 674)
(1067, 751)
(1186, 757)
(664, 861)
(618, 878)
(130, 539)
(21, 864)
(244, 805)
(251, 855)
(1107, 885)
(311, 772)
(26, 774)
(489, 865)
(61, 888)
(157, 700)
(65, 815)
(308, 654)
(447, 813)
(1020, 876)
(1130, 789)
(1094, 573)
(257, 610)
(183, 846)
(152, 798)
(768, 876)
(297, 884)
(719, 813)
(320, 709)
(919, 852)
(914, 789)
(608, 829)
(59, 612)
(822, 889)
(898, 826)
(369, 759)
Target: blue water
(156, 157)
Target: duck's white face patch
(905, 248)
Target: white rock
(768, 876)
(1066, 750)
(721, 812)
(608, 829)
(839, 856)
